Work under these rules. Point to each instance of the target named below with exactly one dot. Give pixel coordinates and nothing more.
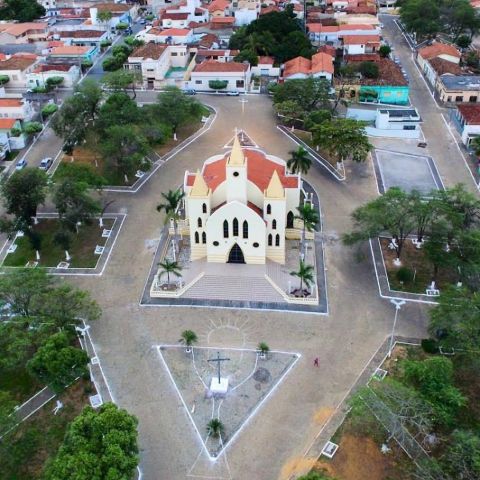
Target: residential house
(41, 73)
(23, 32)
(333, 34)
(219, 8)
(466, 118)
(355, 18)
(320, 66)
(220, 55)
(266, 68)
(73, 54)
(438, 59)
(17, 67)
(170, 36)
(17, 108)
(360, 44)
(222, 23)
(159, 63)
(82, 38)
(121, 13)
(175, 20)
(390, 87)
(458, 88)
(238, 75)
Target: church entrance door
(236, 255)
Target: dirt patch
(361, 458)
(415, 260)
(322, 415)
(295, 466)
(183, 133)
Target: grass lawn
(307, 138)
(81, 250)
(24, 451)
(415, 260)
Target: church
(240, 207)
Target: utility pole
(398, 304)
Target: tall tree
(391, 214)
(421, 17)
(74, 203)
(309, 94)
(169, 267)
(462, 459)
(309, 217)
(343, 137)
(57, 363)
(99, 444)
(299, 161)
(122, 80)
(171, 204)
(23, 192)
(21, 10)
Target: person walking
(315, 362)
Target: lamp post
(243, 101)
(398, 304)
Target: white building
(39, 76)
(240, 206)
(237, 75)
(170, 36)
(17, 67)
(265, 68)
(467, 120)
(16, 108)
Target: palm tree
(168, 267)
(171, 205)
(215, 428)
(309, 217)
(299, 161)
(189, 337)
(305, 273)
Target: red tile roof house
(436, 58)
(360, 44)
(467, 120)
(17, 67)
(7, 141)
(334, 33)
(23, 32)
(320, 66)
(238, 76)
(16, 108)
(41, 73)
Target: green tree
(125, 149)
(175, 108)
(114, 63)
(263, 348)
(104, 16)
(171, 205)
(31, 128)
(189, 337)
(247, 55)
(49, 109)
(63, 238)
(74, 203)
(23, 192)
(309, 94)
(54, 81)
(313, 475)
(15, 344)
(22, 288)
(391, 214)
(4, 79)
(316, 117)
(66, 306)
(384, 51)
(7, 408)
(169, 267)
(118, 109)
(99, 444)
(462, 459)
(57, 363)
(299, 161)
(306, 275)
(290, 110)
(122, 80)
(215, 428)
(455, 320)
(461, 207)
(369, 69)
(343, 137)
(421, 17)
(464, 41)
(21, 10)
(433, 378)
(309, 217)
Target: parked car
(45, 164)
(190, 91)
(21, 164)
(233, 93)
(143, 21)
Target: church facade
(240, 207)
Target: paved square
(409, 172)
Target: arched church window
(290, 218)
(204, 237)
(235, 227)
(199, 222)
(245, 229)
(274, 225)
(277, 240)
(225, 229)
(269, 209)
(197, 238)
(204, 208)
(270, 239)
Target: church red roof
(259, 171)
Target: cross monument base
(219, 388)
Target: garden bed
(415, 260)
(25, 451)
(81, 251)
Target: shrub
(384, 51)
(49, 109)
(429, 345)
(218, 84)
(16, 132)
(404, 275)
(105, 43)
